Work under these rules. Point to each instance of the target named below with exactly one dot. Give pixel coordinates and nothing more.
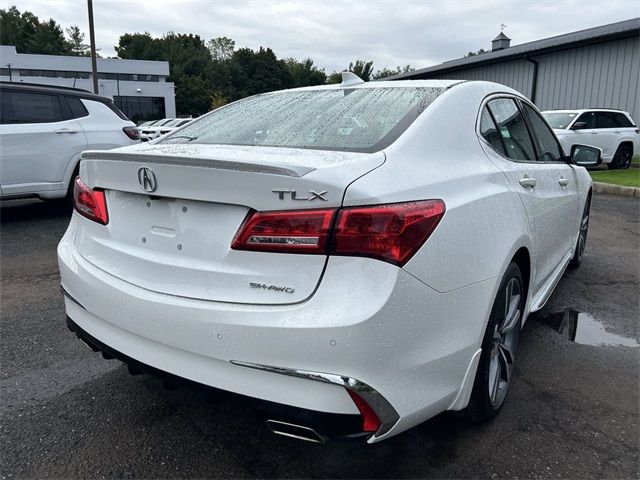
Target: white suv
(43, 131)
(613, 131)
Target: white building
(138, 87)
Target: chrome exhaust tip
(299, 432)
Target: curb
(619, 190)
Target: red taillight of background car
(392, 233)
(132, 132)
(90, 203)
(296, 231)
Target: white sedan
(358, 257)
(162, 127)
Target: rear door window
(547, 145)
(604, 120)
(589, 119)
(513, 129)
(27, 107)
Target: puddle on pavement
(582, 328)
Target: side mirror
(579, 125)
(586, 156)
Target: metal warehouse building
(598, 67)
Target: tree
(478, 52)
(218, 100)
(253, 72)
(30, 35)
(221, 48)
(360, 68)
(76, 42)
(304, 73)
(139, 46)
(190, 65)
(387, 72)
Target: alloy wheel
(582, 236)
(505, 341)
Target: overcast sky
(334, 32)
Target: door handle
(563, 182)
(66, 130)
(528, 182)
(593, 133)
(616, 131)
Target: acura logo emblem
(147, 179)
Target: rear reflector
(298, 231)
(370, 421)
(90, 203)
(393, 232)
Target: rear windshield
(352, 120)
(559, 120)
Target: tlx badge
(312, 195)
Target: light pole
(92, 39)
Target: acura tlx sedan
(353, 258)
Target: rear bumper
(368, 320)
(328, 426)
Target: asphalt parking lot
(573, 411)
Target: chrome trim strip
(160, 159)
(380, 405)
(272, 424)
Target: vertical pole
(10, 75)
(92, 38)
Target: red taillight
(370, 421)
(132, 132)
(298, 231)
(90, 203)
(393, 232)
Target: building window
(140, 109)
(123, 77)
(29, 72)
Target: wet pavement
(573, 411)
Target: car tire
(581, 244)
(499, 345)
(622, 158)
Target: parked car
(177, 123)
(44, 129)
(151, 132)
(147, 123)
(613, 131)
(359, 257)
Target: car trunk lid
(177, 239)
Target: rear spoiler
(237, 165)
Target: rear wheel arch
(522, 258)
(628, 143)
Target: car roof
(583, 110)
(378, 84)
(38, 87)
